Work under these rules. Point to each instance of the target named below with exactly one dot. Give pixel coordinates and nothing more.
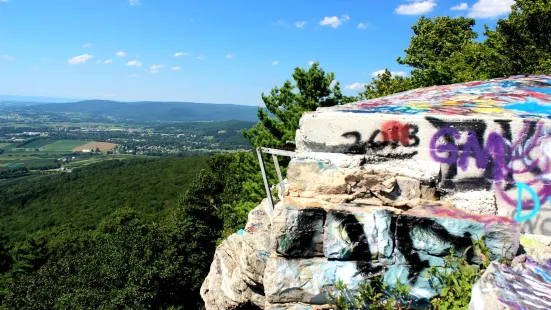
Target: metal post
(266, 185)
(281, 186)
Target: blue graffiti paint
(240, 232)
(543, 274)
(529, 107)
(519, 217)
(320, 164)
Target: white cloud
(7, 57)
(281, 22)
(275, 63)
(334, 21)
(490, 8)
(175, 68)
(310, 62)
(229, 56)
(363, 25)
(108, 61)
(180, 54)
(134, 63)
(200, 57)
(120, 54)
(393, 73)
(133, 75)
(460, 7)
(418, 7)
(134, 2)
(79, 59)
(4, 0)
(333, 83)
(155, 68)
(355, 86)
(300, 24)
(87, 44)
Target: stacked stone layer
(347, 222)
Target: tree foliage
(444, 50)
(285, 105)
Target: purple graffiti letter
(451, 149)
(473, 148)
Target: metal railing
(275, 153)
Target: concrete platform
(490, 138)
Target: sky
(223, 51)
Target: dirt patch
(103, 146)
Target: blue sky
(224, 51)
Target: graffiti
(518, 96)
(506, 163)
(524, 286)
(391, 134)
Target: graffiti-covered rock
(525, 285)
(310, 281)
(297, 231)
(390, 187)
(358, 234)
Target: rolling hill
(147, 111)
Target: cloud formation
(418, 7)
(180, 54)
(460, 7)
(311, 62)
(200, 57)
(334, 21)
(79, 59)
(134, 63)
(108, 61)
(134, 2)
(393, 73)
(363, 26)
(120, 54)
(175, 68)
(155, 68)
(300, 24)
(229, 56)
(490, 8)
(355, 86)
(275, 63)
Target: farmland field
(6, 145)
(103, 146)
(64, 145)
(35, 144)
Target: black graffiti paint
(404, 243)
(302, 240)
(406, 136)
(355, 231)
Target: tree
(436, 48)
(314, 88)
(522, 41)
(385, 84)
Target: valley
(43, 138)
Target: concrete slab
(491, 136)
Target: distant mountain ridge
(146, 111)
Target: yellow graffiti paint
(489, 109)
